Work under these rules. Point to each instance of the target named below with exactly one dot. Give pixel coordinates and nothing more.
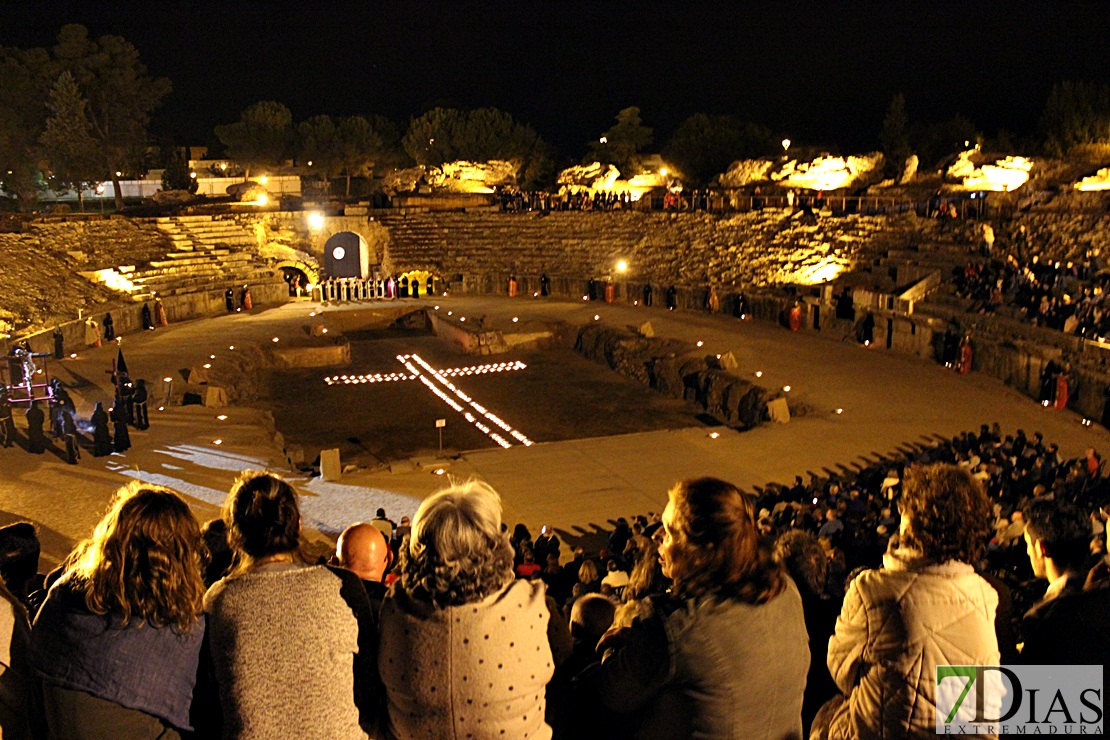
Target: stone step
(195, 254)
(187, 261)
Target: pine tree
(68, 142)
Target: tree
(358, 147)
(894, 138)
(392, 154)
(318, 144)
(621, 145)
(704, 146)
(1076, 113)
(262, 136)
(26, 77)
(480, 135)
(936, 141)
(121, 95)
(74, 154)
(176, 174)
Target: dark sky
(816, 72)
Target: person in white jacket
(925, 607)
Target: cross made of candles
(437, 381)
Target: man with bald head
(363, 550)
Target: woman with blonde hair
(117, 642)
(724, 653)
(464, 647)
(292, 643)
(589, 577)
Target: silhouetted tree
(74, 157)
(358, 146)
(480, 135)
(703, 146)
(176, 174)
(262, 137)
(939, 140)
(121, 95)
(318, 147)
(1075, 113)
(622, 144)
(26, 77)
(894, 138)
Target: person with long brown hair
(117, 642)
(724, 653)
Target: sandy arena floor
(605, 447)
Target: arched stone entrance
(346, 255)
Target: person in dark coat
(59, 343)
(672, 298)
(647, 294)
(102, 438)
(545, 284)
(740, 306)
(1048, 383)
(229, 300)
(865, 334)
(69, 429)
(7, 426)
(109, 328)
(56, 411)
(148, 318)
(36, 439)
(126, 398)
(121, 439)
(138, 402)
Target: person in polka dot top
(464, 651)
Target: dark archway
(346, 255)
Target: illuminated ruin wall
(686, 249)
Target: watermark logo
(1021, 700)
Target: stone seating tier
(758, 248)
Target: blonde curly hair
(143, 561)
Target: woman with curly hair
(464, 647)
(926, 607)
(724, 653)
(292, 643)
(117, 642)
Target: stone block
(778, 410)
(729, 363)
(197, 376)
(647, 330)
(215, 397)
(330, 467)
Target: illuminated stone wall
(686, 249)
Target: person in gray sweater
(292, 644)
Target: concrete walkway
(577, 486)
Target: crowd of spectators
(1064, 295)
(726, 614)
(581, 200)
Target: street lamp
(785, 146)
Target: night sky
(820, 73)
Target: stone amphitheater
(60, 266)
